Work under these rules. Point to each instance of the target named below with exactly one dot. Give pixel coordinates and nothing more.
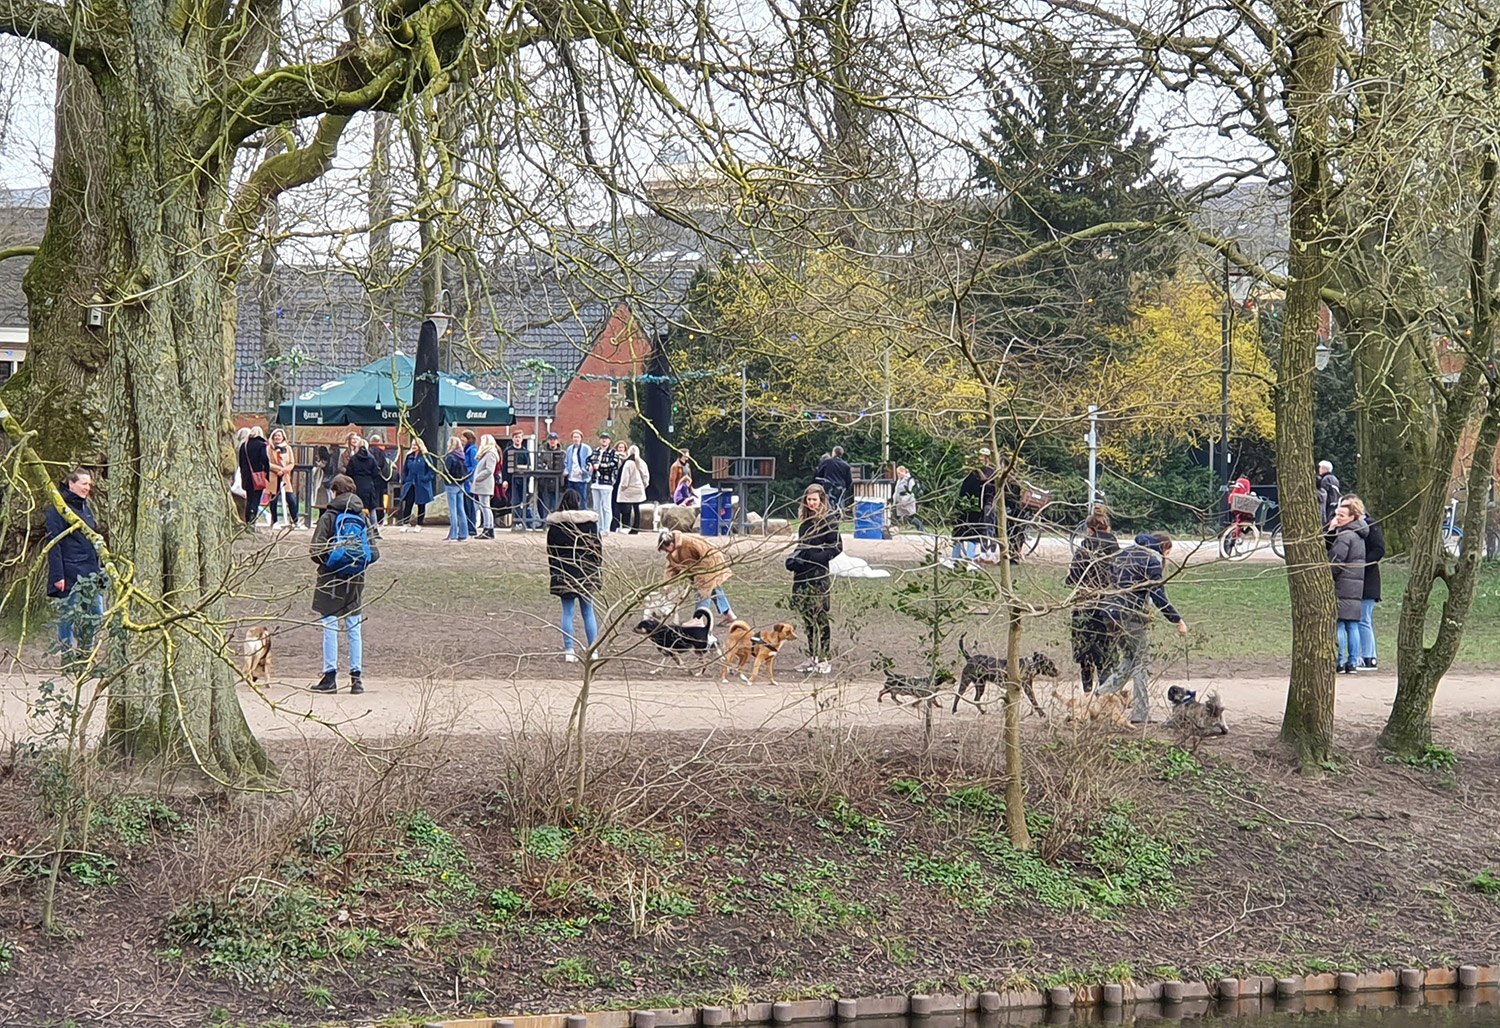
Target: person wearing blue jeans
(456, 467)
(575, 566)
(1374, 553)
(72, 556)
(576, 468)
(338, 597)
(1346, 558)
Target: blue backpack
(350, 551)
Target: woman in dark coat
(818, 542)
(575, 565)
(1374, 554)
(1092, 571)
(975, 511)
(255, 459)
(1346, 555)
(418, 484)
(362, 466)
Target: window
(7, 369)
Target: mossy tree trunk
(1474, 397)
(1307, 726)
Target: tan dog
(1095, 706)
(258, 653)
(746, 643)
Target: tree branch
(18, 251)
(278, 174)
(46, 23)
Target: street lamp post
(1228, 336)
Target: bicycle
(1453, 536)
(1241, 538)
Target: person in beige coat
(634, 478)
(693, 556)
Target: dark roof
(19, 226)
(523, 338)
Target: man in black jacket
(72, 556)
(1139, 574)
(835, 476)
(1328, 490)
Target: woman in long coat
(1346, 555)
(818, 543)
(418, 484)
(575, 566)
(635, 478)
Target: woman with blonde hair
(282, 466)
(485, 460)
(418, 484)
(255, 472)
(456, 476)
(635, 478)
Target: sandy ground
(676, 701)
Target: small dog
(693, 636)
(919, 689)
(257, 652)
(1194, 717)
(746, 644)
(1095, 706)
(981, 670)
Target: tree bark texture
(1419, 666)
(1307, 726)
(174, 701)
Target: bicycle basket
(1034, 498)
(1245, 503)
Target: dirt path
(396, 707)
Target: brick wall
(621, 350)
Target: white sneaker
(808, 668)
(824, 667)
(405, 528)
(946, 562)
(569, 657)
(417, 528)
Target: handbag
(259, 480)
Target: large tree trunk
(1396, 428)
(1420, 667)
(56, 389)
(173, 702)
(1307, 726)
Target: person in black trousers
(818, 542)
(255, 472)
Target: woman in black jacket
(575, 565)
(1092, 571)
(818, 542)
(362, 466)
(255, 472)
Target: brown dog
(1113, 707)
(746, 643)
(258, 653)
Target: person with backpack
(343, 546)
(575, 565)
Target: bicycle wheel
(1278, 544)
(1079, 534)
(1453, 540)
(1031, 536)
(1238, 541)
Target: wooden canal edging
(1410, 982)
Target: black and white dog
(696, 635)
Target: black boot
(328, 683)
(356, 682)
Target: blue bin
(717, 514)
(869, 518)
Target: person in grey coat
(1346, 555)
